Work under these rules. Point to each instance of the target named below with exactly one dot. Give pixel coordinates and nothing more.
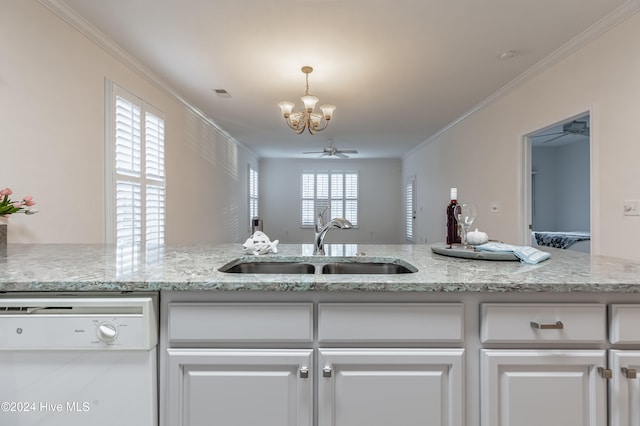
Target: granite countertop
(80, 267)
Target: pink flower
(5, 192)
(28, 201)
(17, 204)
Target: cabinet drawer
(625, 324)
(240, 322)
(390, 322)
(549, 322)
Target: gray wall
(380, 201)
(561, 193)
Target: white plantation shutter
(351, 197)
(136, 159)
(410, 209)
(154, 216)
(127, 133)
(336, 189)
(128, 212)
(253, 193)
(154, 147)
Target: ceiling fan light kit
(312, 121)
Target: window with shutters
(410, 208)
(332, 188)
(135, 156)
(253, 194)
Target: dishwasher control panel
(78, 323)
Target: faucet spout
(322, 228)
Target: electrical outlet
(631, 207)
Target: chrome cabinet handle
(558, 325)
(304, 373)
(326, 371)
(629, 373)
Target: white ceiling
(398, 71)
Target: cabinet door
(543, 387)
(382, 387)
(624, 391)
(239, 387)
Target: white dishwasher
(73, 360)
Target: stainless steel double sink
(319, 265)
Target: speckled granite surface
(51, 267)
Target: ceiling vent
(222, 93)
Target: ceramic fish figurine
(259, 243)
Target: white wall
(561, 195)
(380, 202)
(52, 141)
(601, 78)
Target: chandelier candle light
(308, 119)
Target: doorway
(558, 190)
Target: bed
(577, 241)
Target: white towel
(524, 253)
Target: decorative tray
(470, 253)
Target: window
(136, 209)
(253, 193)
(410, 208)
(335, 189)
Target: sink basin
(365, 268)
(318, 265)
(269, 268)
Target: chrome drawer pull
(629, 373)
(326, 372)
(304, 373)
(558, 325)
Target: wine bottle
(453, 233)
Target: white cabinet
(525, 384)
(378, 364)
(406, 359)
(233, 364)
(543, 387)
(382, 387)
(624, 387)
(399, 385)
(239, 387)
(624, 391)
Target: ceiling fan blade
(341, 155)
(348, 151)
(548, 134)
(557, 137)
(313, 152)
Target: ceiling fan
(580, 128)
(332, 151)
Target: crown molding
(601, 27)
(71, 17)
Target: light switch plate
(631, 207)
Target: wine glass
(465, 215)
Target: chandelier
(307, 119)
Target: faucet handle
(320, 219)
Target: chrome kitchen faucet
(322, 228)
